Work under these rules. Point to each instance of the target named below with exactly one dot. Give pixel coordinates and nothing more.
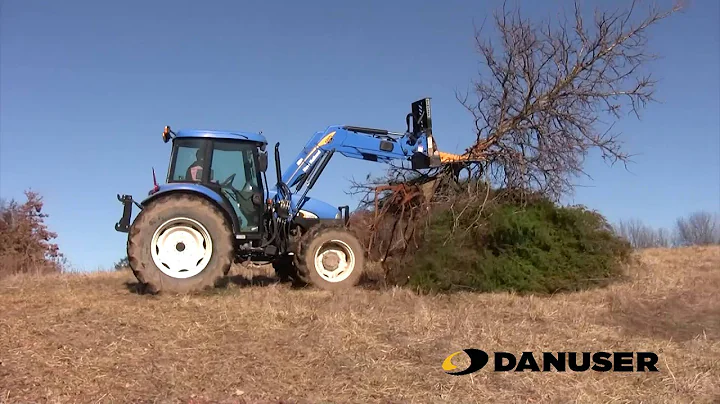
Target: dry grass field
(90, 338)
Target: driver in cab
(194, 172)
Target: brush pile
(483, 239)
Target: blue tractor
(217, 208)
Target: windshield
(236, 160)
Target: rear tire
(331, 258)
(180, 243)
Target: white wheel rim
(345, 261)
(181, 248)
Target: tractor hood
(322, 210)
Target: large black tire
(287, 271)
(320, 237)
(177, 206)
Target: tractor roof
(216, 134)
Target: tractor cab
(229, 163)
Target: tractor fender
(196, 189)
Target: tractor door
(234, 168)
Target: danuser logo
(559, 361)
(478, 360)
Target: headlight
(338, 216)
(307, 215)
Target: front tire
(181, 244)
(332, 258)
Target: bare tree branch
(539, 109)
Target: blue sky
(86, 88)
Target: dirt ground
(91, 338)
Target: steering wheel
(228, 181)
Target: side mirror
(263, 161)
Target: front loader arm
(378, 145)
(365, 144)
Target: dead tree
(699, 228)
(640, 235)
(538, 112)
(539, 109)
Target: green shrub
(539, 248)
